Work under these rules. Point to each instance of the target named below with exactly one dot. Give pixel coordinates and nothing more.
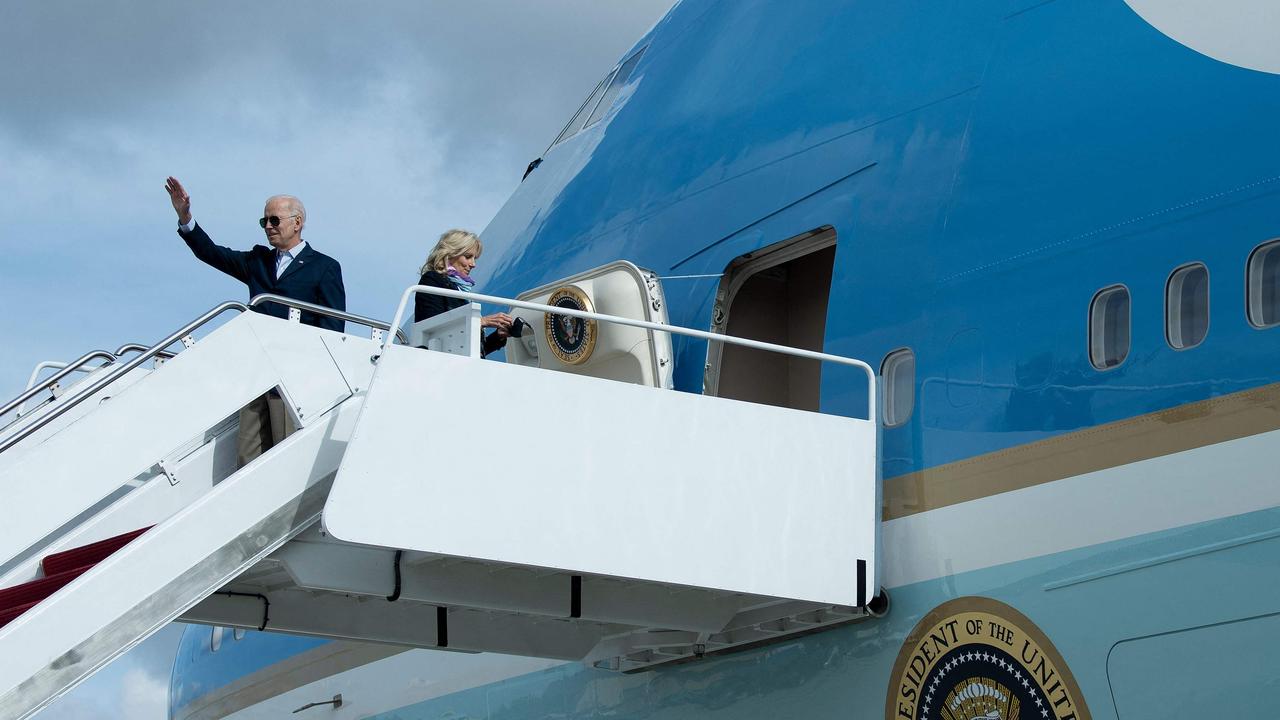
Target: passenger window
(1263, 281)
(1186, 306)
(1109, 327)
(899, 373)
(619, 79)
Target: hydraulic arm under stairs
(621, 525)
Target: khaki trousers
(263, 422)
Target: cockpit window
(601, 98)
(576, 123)
(619, 79)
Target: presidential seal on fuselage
(572, 339)
(975, 658)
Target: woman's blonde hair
(450, 245)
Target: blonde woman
(449, 266)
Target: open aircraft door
(587, 347)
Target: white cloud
(143, 695)
(135, 694)
(76, 708)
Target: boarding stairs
(570, 516)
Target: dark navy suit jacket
(312, 276)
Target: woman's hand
(499, 321)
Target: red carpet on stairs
(59, 569)
(13, 613)
(39, 589)
(90, 554)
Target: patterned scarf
(462, 281)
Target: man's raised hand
(180, 199)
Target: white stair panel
(592, 476)
(307, 373)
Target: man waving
(290, 267)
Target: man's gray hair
(295, 205)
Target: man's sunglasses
(273, 219)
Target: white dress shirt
(284, 257)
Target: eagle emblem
(572, 339)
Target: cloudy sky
(393, 120)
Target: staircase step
(8, 616)
(29, 593)
(59, 569)
(87, 554)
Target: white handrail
(34, 388)
(660, 327)
(113, 375)
(48, 365)
(41, 367)
(263, 298)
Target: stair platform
(658, 518)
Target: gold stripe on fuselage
(1075, 453)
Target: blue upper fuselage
(987, 166)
